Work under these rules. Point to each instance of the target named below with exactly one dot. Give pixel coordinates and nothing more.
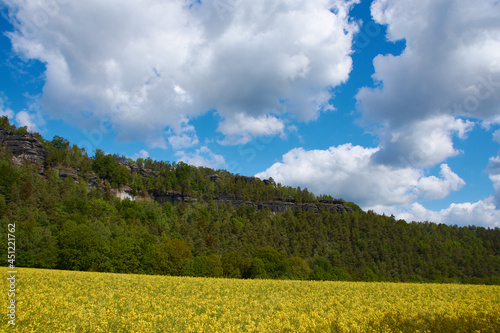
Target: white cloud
(449, 69)
(422, 143)
(5, 111)
(481, 213)
(182, 141)
(438, 188)
(184, 136)
(31, 119)
(448, 72)
(141, 154)
(147, 65)
(441, 36)
(202, 157)
(350, 172)
(240, 129)
(496, 136)
(23, 118)
(494, 174)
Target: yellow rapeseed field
(62, 301)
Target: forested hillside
(113, 214)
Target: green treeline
(66, 224)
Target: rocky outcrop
(214, 177)
(248, 180)
(334, 202)
(147, 173)
(24, 147)
(140, 170)
(174, 197)
(281, 207)
(267, 182)
(284, 205)
(124, 193)
(92, 180)
(63, 174)
(276, 207)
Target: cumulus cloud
(350, 172)
(446, 79)
(422, 143)
(449, 69)
(141, 154)
(183, 136)
(480, 213)
(496, 136)
(240, 129)
(202, 157)
(23, 118)
(441, 37)
(30, 118)
(437, 188)
(146, 66)
(494, 174)
(5, 111)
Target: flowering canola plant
(67, 301)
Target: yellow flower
(62, 301)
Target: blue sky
(394, 105)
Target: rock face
(67, 173)
(27, 147)
(276, 207)
(173, 197)
(92, 180)
(124, 193)
(23, 147)
(141, 171)
(282, 206)
(267, 182)
(214, 177)
(248, 180)
(335, 202)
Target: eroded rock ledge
(27, 147)
(23, 147)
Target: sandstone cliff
(23, 147)
(27, 147)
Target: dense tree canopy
(68, 224)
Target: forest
(68, 216)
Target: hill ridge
(68, 216)
(27, 147)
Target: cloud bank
(480, 213)
(202, 157)
(148, 69)
(445, 81)
(348, 171)
(151, 65)
(5, 111)
(449, 69)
